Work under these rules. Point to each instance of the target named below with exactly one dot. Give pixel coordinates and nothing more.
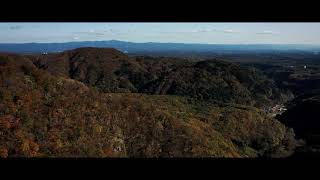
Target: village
(275, 110)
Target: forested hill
(66, 105)
(110, 70)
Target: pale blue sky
(212, 33)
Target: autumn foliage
(43, 114)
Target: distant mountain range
(133, 48)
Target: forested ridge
(98, 102)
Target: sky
(206, 33)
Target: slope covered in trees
(303, 116)
(49, 107)
(110, 70)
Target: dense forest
(110, 70)
(99, 102)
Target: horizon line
(311, 44)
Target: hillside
(54, 109)
(110, 70)
(302, 115)
(216, 80)
(299, 76)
